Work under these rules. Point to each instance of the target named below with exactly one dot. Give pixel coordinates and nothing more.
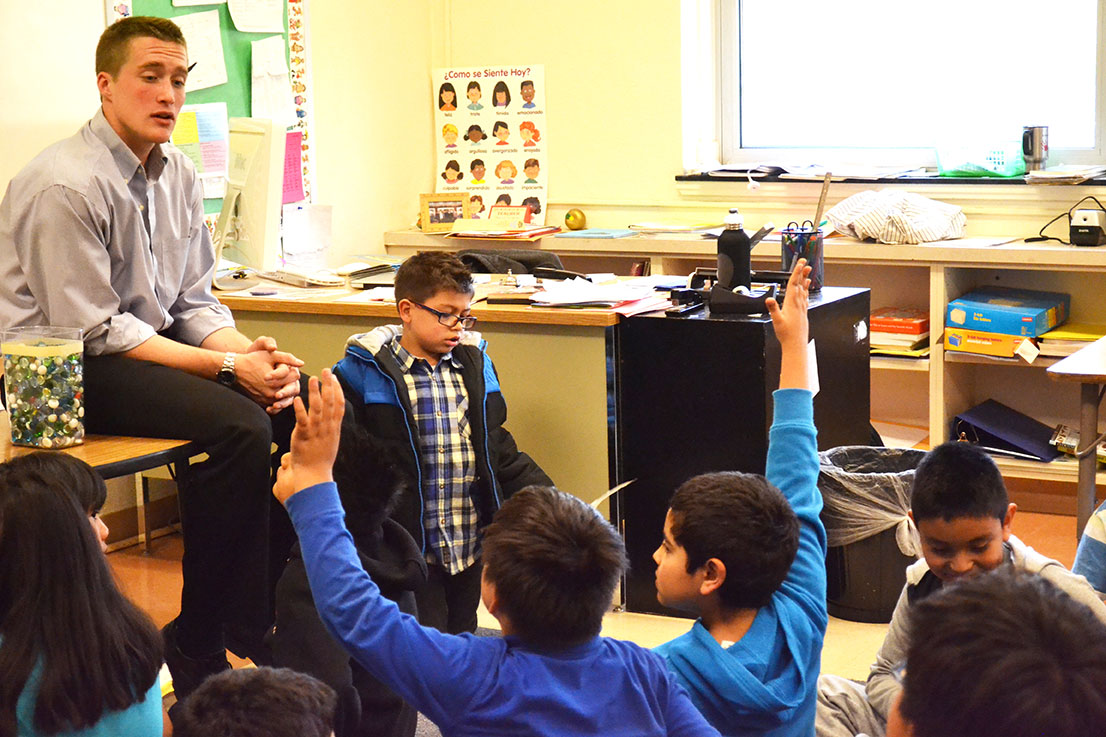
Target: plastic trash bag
(897, 217)
(866, 490)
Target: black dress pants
(235, 535)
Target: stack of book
(1066, 340)
(899, 331)
(998, 321)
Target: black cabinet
(694, 395)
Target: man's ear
(404, 307)
(714, 575)
(103, 85)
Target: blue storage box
(1009, 311)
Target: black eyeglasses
(448, 320)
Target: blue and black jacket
(373, 383)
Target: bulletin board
(237, 51)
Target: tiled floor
(153, 582)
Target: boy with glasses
(428, 389)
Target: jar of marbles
(44, 385)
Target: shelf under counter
(890, 363)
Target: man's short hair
(257, 702)
(745, 522)
(426, 273)
(115, 41)
(1006, 654)
(554, 562)
(958, 480)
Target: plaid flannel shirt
(440, 402)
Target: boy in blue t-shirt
(550, 567)
(747, 554)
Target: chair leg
(142, 498)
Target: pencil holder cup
(44, 385)
(803, 243)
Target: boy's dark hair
(957, 480)
(257, 702)
(429, 272)
(115, 42)
(1006, 654)
(746, 523)
(368, 479)
(554, 562)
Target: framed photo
(437, 212)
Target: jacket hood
(762, 691)
(377, 338)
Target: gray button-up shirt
(90, 238)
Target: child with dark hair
(747, 554)
(369, 482)
(76, 657)
(501, 96)
(428, 390)
(551, 567)
(258, 702)
(1007, 654)
(964, 520)
(533, 203)
(81, 481)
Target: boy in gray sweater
(964, 518)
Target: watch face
(225, 377)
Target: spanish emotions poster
(490, 136)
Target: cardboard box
(1008, 311)
(978, 341)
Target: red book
(905, 320)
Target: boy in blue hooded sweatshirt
(747, 554)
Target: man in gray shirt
(104, 231)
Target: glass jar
(44, 383)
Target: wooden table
(1088, 367)
(114, 456)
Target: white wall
(48, 86)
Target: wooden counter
(330, 305)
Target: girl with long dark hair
(75, 654)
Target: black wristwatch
(226, 375)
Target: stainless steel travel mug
(1035, 146)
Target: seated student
(964, 520)
(1004, 655)
(76, 657)
(551, 564)
(258, 702)
(1090, 556)
(82, 482)
(751, 562)
(368, 485)
(428, 390)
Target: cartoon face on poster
(491, 135)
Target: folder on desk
(998, 428)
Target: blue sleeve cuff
(793, 405)
(313, 501)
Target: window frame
(726, 109)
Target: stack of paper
(1064, 174)
(582, 293)
(1067, 339)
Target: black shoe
(189, 672)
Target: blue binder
(1000, 429)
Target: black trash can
(866, 493)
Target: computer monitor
(248, 228)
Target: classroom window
(888, 82)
